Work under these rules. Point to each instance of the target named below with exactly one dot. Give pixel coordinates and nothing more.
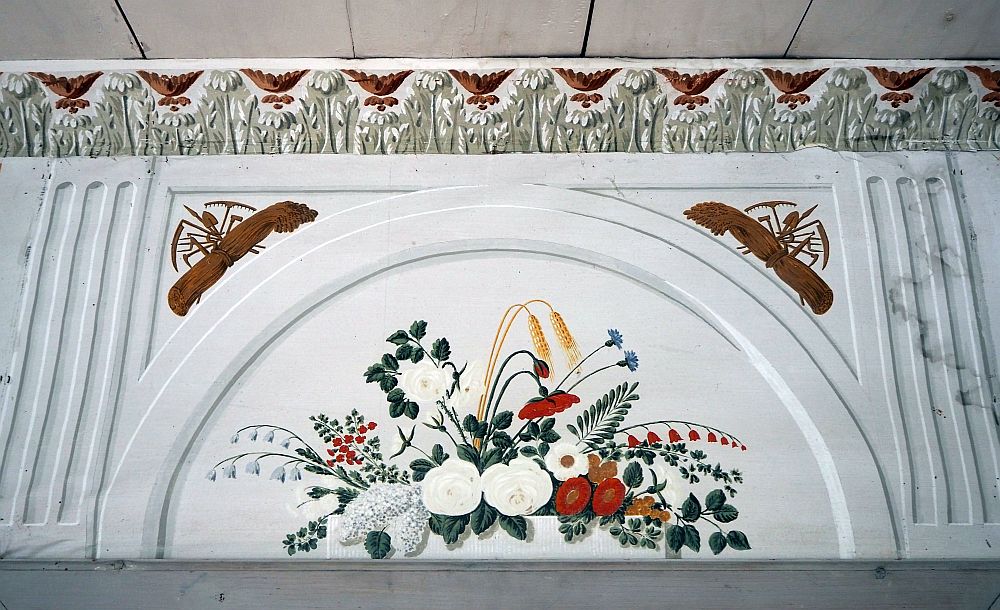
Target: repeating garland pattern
(616, 109)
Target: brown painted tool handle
(803, 280)
(282, 217)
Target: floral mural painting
(477, 109)
(490, 456)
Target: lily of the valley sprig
(498, 445)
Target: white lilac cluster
(395, 507)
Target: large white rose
(453, 488)
(566, 461)
(520, 488)
(425, 382)
(470, 387)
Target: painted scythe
(282, 217)
(719, 218)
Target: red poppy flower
(633, 441)
(652, 437)
(556, 402)
(693, 435)
(608, 497)
(725, 441)
(712, 438)
(675, 436)
(573, 496)
(541, 369)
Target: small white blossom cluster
(392, 506)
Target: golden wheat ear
(714, 216)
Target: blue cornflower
(616, 338)
(631, 360)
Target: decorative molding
(654, 106)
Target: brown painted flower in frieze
(69, 89)
(380, 87)
(586, 83)
(481, 86)
(793, 86)
(691, 86)
(171, 86)
(990, 80)
(897, 83)
(275, 84)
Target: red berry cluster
(343, 446)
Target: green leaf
(418, 355)
(717, 542)
(396, 409)
(675, 537)
(438, 454)
(691, 509)
(374, 373)
(378, 544)
(517, 527)
(389, 362)
(483, 517)
(503, 420)
(420, 468)
(468, 453)
(726, 513)
(399, 337)
(549, 436)
(738, 540)
(715, 499)
(633, 475)
(491, 457)
(395, 395)
(387, 383)
(411, 409)
(418, 329)
(692, 538)
(543, 449)
(441, 349)
(403, 352)
(449, 528)
(502, 439)
(470, 423)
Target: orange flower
(573, 496)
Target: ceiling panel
(248, 28)
(468, 28)
(681, 28)
(900, 29)
(64, 29)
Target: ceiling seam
(131, 30)
(586, 31)
(799, 26)
(350, 28)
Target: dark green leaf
(420, 467)
(418, 355)
(418, 329)
(449, 528)
(515, 526)
(726, 513)
(396, 409)
(411, 409)
(437, 452)
(691, 509)
(503, 420)
(399, 337)
(403, 352)
(533, 430)
(692, 538)
(387, 383)
(675, 538)
(491, 457)
(395, 395)
(440, 349)
(549, 436)
(470, 423)
(468, 453)
(543, 449)
(738, 540)
(389, 362)
(633, 475)
(715, 499)
(717, 542)
(483, 517)
(378, 544)
(374, 373)
(502, 439)
(529, 450)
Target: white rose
(566, 461)
(425, 382)
(470, 386)
(453, 488)
(519, 488)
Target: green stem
(491, 414)
(579, 364)
(590, 374)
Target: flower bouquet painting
(490, 456)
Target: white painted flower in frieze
(518, 488)
(21, 86)
(639, 81)
(122, 82)
(745, 80)
(326, 82)
(950, 81)
(425, 382)
(566, 460)
(224, 80)
(848, 78)
(431, 80)
(453, 488)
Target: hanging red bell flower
(652, 437)
(712, 438)
(633, 441)
(544, 406)
(693, 435)
(743, 447)
(725, 441)
(542, 369)
(674, 436)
